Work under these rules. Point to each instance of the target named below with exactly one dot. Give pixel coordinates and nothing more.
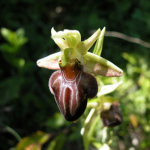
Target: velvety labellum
(71, 88)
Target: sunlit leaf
(39, 138)
(133, 120)
(109, 88)
(20, 32)
(97, 144)
(34, 146)
(9, 35)
(129, 58)
(15, 39)
(7, 48)
(56, 121)
(57, 143)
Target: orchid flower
(74, 83)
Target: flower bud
(112, 117)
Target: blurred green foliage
(26, 104)
(15, 41)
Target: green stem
(92, 128)
(13, 132)
(87, 121)
(85, 142)
(84, 129)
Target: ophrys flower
(74, 83)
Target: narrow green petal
(50, 62)
(84, 46)
(100, 66)
(99, 44)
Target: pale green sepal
(65, 56)
(84, 46)
(66, 39)
(100, 66)
(50, 62)
(99, 44)
(62, 44)
(108, 88)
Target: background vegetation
(26, 105)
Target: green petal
(50, 62)
(100, 66)
(99, 44)
(84, 46)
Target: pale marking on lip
(64, 92)
(76, 85)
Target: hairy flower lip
(71, 88)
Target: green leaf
(9, 89)
(8, 48)
(21, 41)
(34, 146)
(97, 144)
(9, 35)
(16, 39)
(56, 121)
(131, 59)
(108, 88)
(20, 32)
(11, 58)
(99, 44)
(35, 141)
(18, 62)
(57, 143)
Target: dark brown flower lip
(71, 88)
(112, 117)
